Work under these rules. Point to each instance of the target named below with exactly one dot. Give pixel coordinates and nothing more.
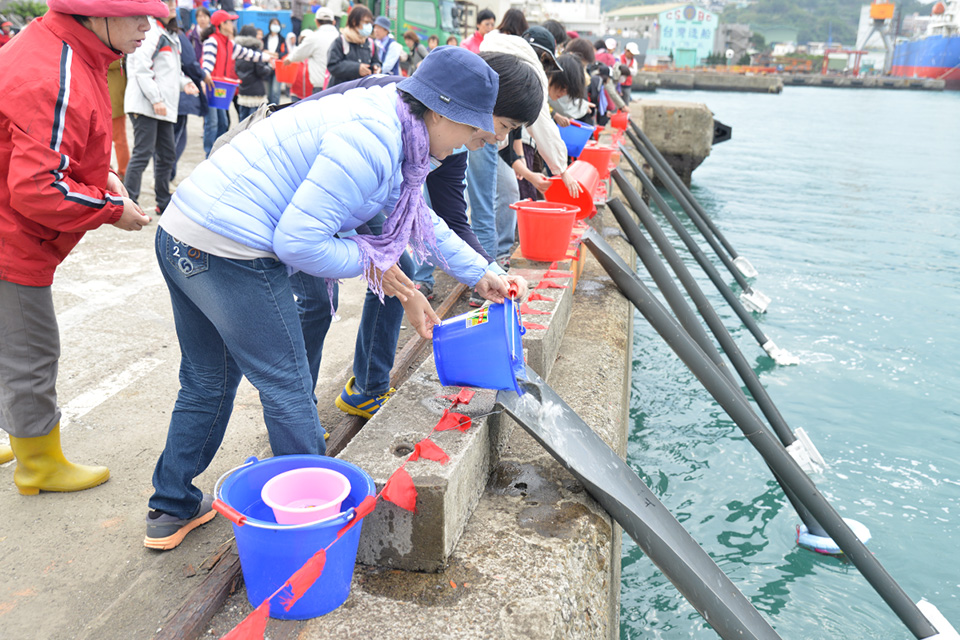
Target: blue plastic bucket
(270, 553)
(481, 348)
(575, 136)
(221, 96)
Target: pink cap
(111, 8)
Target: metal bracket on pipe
(780, 356)
(745, 267)
(945, 630)
(805, 453)
(753, 300)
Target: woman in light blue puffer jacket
(271, 212)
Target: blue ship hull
(931, 57)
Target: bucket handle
(241, 520)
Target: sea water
(848, 204)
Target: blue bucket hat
(382, 21)
(457, 84)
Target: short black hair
(582, 48)
(557, 30)
(520, 96)
(486, 14)
(417, 108)
(572, 78)
(356, 16)
(514, 23)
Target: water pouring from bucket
(482, 348)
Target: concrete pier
(712, 81)
(682, 131)
(871, 82)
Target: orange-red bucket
(587, 177)
(545, 228)
(620, 120)
(602, 157)
(286, 71)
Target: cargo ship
(936, 54)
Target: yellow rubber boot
(42, 467)
(6, 453)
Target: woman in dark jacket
(353, 54)
(275, 42)
(254, 76)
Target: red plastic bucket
(587, 177)
(601, 157)
(620, 120)
(286, 71)
(545, 228)
(222, 94)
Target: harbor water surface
(848, 204)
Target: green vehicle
(442, 18)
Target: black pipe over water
(665, 178)
(632, 196)
(672, 176)
(727, 344)
(675, 299)
(620, 491)
(732, 400)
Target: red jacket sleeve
(50, 180)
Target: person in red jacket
(55, 185)
(6, 32)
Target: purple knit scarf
(410, 222)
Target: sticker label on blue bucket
(478, 317)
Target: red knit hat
(111, 8)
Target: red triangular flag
(533, 326)
(253, 626)
(426, 448)
(400, 490)
(465, 396)
(527, 310)
(452, 420)
(549, 284)
(303, 579)
(534, 297)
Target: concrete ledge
(681, 131)
(538, 558)
(446, 494)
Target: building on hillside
(684, 33)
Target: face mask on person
(274, 28)
(366, 30)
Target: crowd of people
(370, 171)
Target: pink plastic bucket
(306, 494)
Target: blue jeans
(313, 307)
(247, 111)
(378, 333)
(214, 125)
(234, 318)
(481, 188)
(508, 193)
(273, 91)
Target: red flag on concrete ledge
(426, 448)
(451, 420)
(400, 490)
